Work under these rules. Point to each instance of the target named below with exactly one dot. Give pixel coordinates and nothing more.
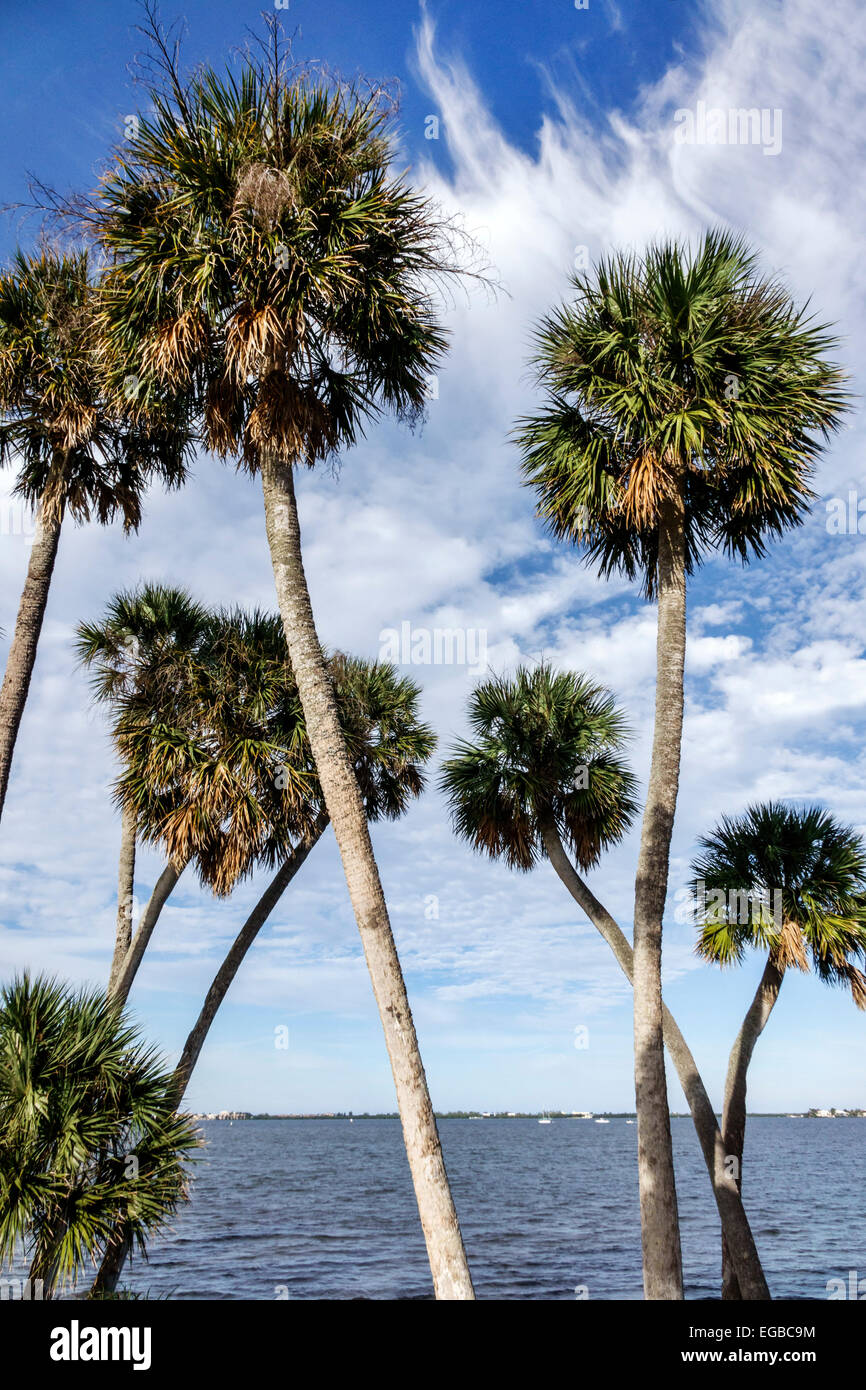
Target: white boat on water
(629, 1122)
(602, 1121)
(545, 1120)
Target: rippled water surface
(324, 1209)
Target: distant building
(226, 1115)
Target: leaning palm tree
(789, 881)
(207, 743)
(131, 652)
(686, 401)
(544, 776)
(267, 261)
(88, 1133)
(217, 767)
(78, 449)
(228, 782)
(390, 746)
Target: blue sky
(556, 139)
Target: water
(325, 1209)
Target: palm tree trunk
(45, 1264)
(735, 1223)
(115, 1257)
(125, 892)
(149, 918)
(662, 1257)
(734, 1112)
(43, 1270)
(120, 1243)
(448, 1264)
(28, 625)
(230, 966)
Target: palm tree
(87, 1134)
(789, 881)
(79, 450)
(389, 746)
(217, 769)
(225, 778)
(544, 777)
(131, 652)
(686, 398)
(268, 262)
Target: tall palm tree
(789, 881)
(268, 261)
(79, 450)
(88, 1133)
(221, 773)
(131, 652)
(544, 776)
(686, 401)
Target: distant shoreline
(232, 1115)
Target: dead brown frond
(254, 339)
(651, 482)
(789, 951)
(857, 981)
(291, 421)
(176, 348)
(74, 425)
(267, 192)
(223, 416)
(180, 831)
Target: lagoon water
(325, 1209)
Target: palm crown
(216, 761)
(815, 864)
(78, 446)
(547, 746)
(141, 637)
(266, 260)
(686, 378)
(80, 1096)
